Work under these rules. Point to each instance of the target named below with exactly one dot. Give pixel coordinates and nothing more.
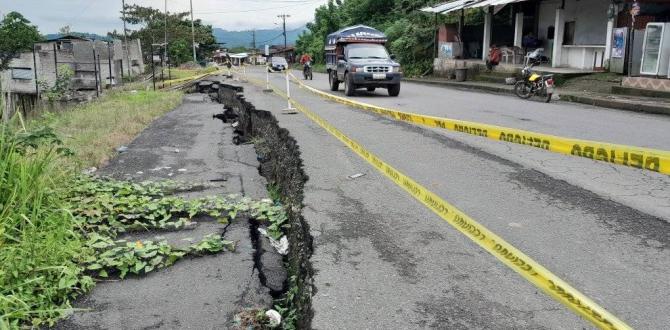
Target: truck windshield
(366, 51)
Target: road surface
(383, 260)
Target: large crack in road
(614, 253)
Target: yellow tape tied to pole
(636, 157)
(489, 241)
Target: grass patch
(43, 244)
(93, 130)
(40, 248)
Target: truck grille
(377, 69)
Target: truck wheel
(394, 90)
(371, 89)
(349, 87)
(332, 80)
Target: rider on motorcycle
(306, 61)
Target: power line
(284, 17)
(256, 10)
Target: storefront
(574, 34)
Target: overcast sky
(102, 16)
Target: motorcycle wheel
(522, 89)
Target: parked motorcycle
(534, 84)
(307, 71)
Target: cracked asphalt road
(186, 145)
(383, 260)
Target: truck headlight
(359, 69)
(397, 69)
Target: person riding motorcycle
(305, 60)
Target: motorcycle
(307, 71)
(534, 84)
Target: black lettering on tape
(653, 164)
(601, 154)
(588, 152)
(636, 160)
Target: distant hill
(244, 38)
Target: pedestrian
(495, 55)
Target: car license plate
(379, 76)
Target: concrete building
(95, 64)
(576, 35)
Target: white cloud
(102, 16)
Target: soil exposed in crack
(281, 165)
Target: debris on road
(274, 318)
(280, 245)
(356, 176)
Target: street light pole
(195, 59)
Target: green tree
(410, 31)
(180, 52)
(16, 35)
(151, 23)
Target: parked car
(356, 56)
(278, 64)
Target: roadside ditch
(280, 164)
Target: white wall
(590, 17)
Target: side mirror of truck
(393, 57)
(341, 58)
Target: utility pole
(253, 43)
(165, 53)
(195, 59)
(125, 39)
(284, 17)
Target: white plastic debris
(90, 171)
(356, 176)
(122, 149)
(181, 170)
(274, 318)
(281, 245)
(235, 124)
(176, 151)
(139, 173)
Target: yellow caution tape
(637, 157)
(492, 243)
(187, 79)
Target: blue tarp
(358, 33)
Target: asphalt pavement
(186, 145)
(383, 260)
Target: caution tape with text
(492, 243)
(637, 157)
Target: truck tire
(371, 89)
(332, 80)
(349, 87)
(394, 90)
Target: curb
(598, 102)
(495, 89)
